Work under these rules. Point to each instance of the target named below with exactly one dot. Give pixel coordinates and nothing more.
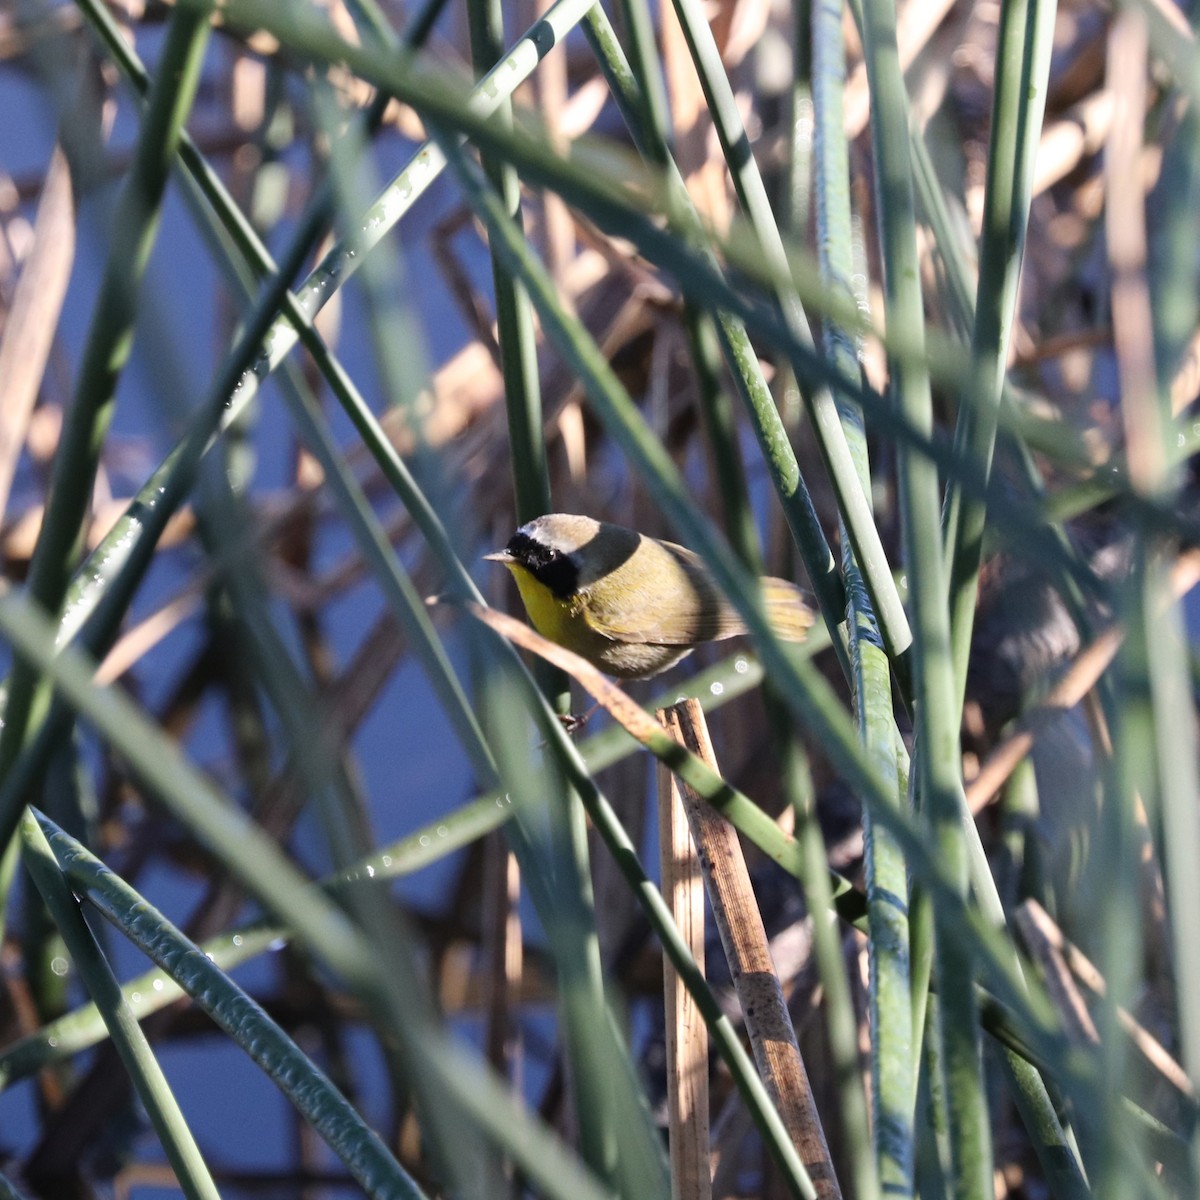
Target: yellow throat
(554, 618)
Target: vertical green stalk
(1142, 771)
(1179, 786)
(650, 93)
(1052, 1142)
(94, 969)
(933, 1152)
(840, 1015)
(1169, 292)
(1022, 69)
(962, 308)
(1131, 774)
(1175, 288)
(801, 125)
(935, 711)
(890, 1004)
(1176, 310)
(110, 340)
(514, 318)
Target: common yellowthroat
(631, 605)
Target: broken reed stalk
(687, 1034)
(768, 1023)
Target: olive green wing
(671, 599)
(665, 596)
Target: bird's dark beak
(500, 556)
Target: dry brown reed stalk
(744, 938)
(686, 1033)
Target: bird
(632, 605)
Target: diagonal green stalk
(1022, 71)
(109, 343)
(938, 766)
(720, 426)
(102, 591)
(226, 226)
(97, 974)
(241, 1017)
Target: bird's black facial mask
(551, 567)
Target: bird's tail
(789, 614)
